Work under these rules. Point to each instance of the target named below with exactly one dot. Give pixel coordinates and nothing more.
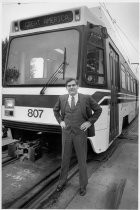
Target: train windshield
(34, 59)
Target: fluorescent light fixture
(49, 59)
(59, 50)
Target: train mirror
(104, 32)
(99, 30)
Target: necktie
(72, 102)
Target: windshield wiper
(61, 70)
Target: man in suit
(73, 111)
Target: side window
(128, 81)
(132, 84)
(95, 66)
(123, 77)
(114, 67)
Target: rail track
(6, 159)
(30, 197)
(43, 194)
(46, 189)
(9, 161)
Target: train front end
(35, 62)
(43, 53)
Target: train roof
(84, 13)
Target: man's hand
(62, 124)
(85, 125)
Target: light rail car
(46, 50)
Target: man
(73, 112)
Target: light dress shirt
(75, 97)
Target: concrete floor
(19, 177)
(114, 185)
(118, 176)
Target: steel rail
(31, 195)
(9, 161)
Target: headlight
(9, 103)
(77, 15)
(89, 78)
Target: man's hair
(71, 79)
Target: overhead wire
(116, 27)
(19, 3)
(115, 23)
(116, 30)
(122, 44)
(127, 38)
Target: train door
(114, 115)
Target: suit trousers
(79, 141)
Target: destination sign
(47, 20)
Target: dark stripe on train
(105, 102)
(125, 100)
(99, 95)
(125, 95)
(32, 126)
(47, 101)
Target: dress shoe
(82, 191)
(60, 187)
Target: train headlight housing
(89, 78)
(77, 15)
(9, 103)
(16, 26)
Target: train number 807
(35, 113)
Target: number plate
(37, 113)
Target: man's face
(72, 88)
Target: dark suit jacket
(87, 104)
